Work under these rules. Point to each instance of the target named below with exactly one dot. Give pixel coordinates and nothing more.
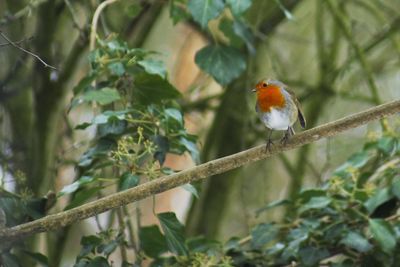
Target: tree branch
(14, 44)
(221, 165)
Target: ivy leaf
(103, 96)
(152, 88)
(238, 6)
(310, 256)
(262, 234)
(133, 10)
(82, 196)
(85, 83)
(223, 63)
(273, 204)
(174, 233)
(162, 148)
(116, 68)
(244, 32)
(387, 144)
(174, 114)
(9, 260)
(192, 148)
(315, 203)
(68, 189)
(114, 126)
(380, 197)
(98, 262)
(191, 189)
(154, 67)
(383, 233)
(177, 10)
(128, 180)
(356, 241)
(152, 241)
(285, 11)
(205, 10)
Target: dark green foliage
(332, 224)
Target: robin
(278, 108)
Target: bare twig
(93, 29)
(14, 44)
(221, 165)
(17, 42)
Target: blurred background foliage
(172, 78)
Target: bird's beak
(254, 90)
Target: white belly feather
(276, 119)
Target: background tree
(102, 77)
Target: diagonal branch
(15, 44)
(56, 221)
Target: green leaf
(98, 262)
(200, 244)
(85, 83)
(191, 189)
(114, 126)
(383, 233)
(356, 241)
(273, 204)
(133, 10)
(358, 160)
(380, 196)
(192, 148)
(226, 26)
(82, 196)
(68, 189)
(387, 144)
(154, 67)
(162, 148)
(396, 186)
(174, 114)
(285, 11)
(223, 63)
(244, 32)
(238, 6)
(39, 257)
(152, 241)
(89, 243)
(306, 195)
(116, 68)
(103, 96)
(128, 180)
(177, 10)
(174, 233)
(315, 203)
(205, 10)
(311, 256)
(9, 260)
(151, 88)
(262, 234)
(106, 115)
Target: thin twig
(221, 165)
(95, 21)
(17, 42)
(26, 51)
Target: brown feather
(301, 117)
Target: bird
(278, 108)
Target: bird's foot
(269, 145)
(285, 139)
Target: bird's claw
(268, 145)
(285, 139)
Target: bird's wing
(302, 119)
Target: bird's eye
(264, 85)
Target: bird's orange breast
(270, 96)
